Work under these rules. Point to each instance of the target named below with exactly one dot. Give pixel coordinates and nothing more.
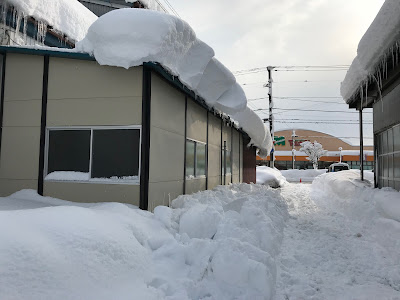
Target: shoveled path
(327, 255)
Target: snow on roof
(129, 37)
(67, 16)
(381, 38)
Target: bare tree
(314, 152)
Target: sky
(256, 34)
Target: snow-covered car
(338, 167)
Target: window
(388, 157)
(195, 159)
(226, 156)
(94, 154)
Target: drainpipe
(361, 143)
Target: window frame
(190, 177)
(91, 129)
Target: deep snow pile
(217, 244)
(69, 17)
(118, 39)
(269, 176)
(340, 242)
(380, 41)
(347, 191)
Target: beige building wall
(83, 93)
(214, 151)
(196, 129)
(20, 145)
(167, 143)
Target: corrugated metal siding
(98, 10)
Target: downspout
(361, 143)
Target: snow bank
(269, 176)
(295, 175)
(67, 16)
(118, 39)
(377, 42)
(347, 192)
(217, 244)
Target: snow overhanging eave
(175, 81)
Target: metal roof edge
(174, 80)
(60, 52)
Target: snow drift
(217, 244)
(69, 17)
(269, 176)
(381, 40)
(347, 192)
(118, 39)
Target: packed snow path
(326, 254)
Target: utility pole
(271, 106)
(293, 145)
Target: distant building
(284, 143)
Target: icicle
(18, 25)
(14, 18)
(24, 16)
(41, 32)
(4, 9)
(379, 89)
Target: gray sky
(254, 33)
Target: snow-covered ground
(334, 239)
(217, 244)
(340, 241)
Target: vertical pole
(145, 148)
(271, 106)
(293, 143)
(361, 144)
(43, 121)
(224, 162)
(184, 155)
(3, 78)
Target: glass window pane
(397, 185)
(390, 165)
(385, 166)
(115, 153)
(384, 142)
(396, 165)
(396, 138)
(390, 140)
(228, 162)
(200, 159)
(69, 150)
(190, 158)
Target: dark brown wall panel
(249, 163)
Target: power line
(172, 8)
(313, 97)
(316, 120)
(322, 122)
(318, 110)
(301, 100)
(294, 68)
